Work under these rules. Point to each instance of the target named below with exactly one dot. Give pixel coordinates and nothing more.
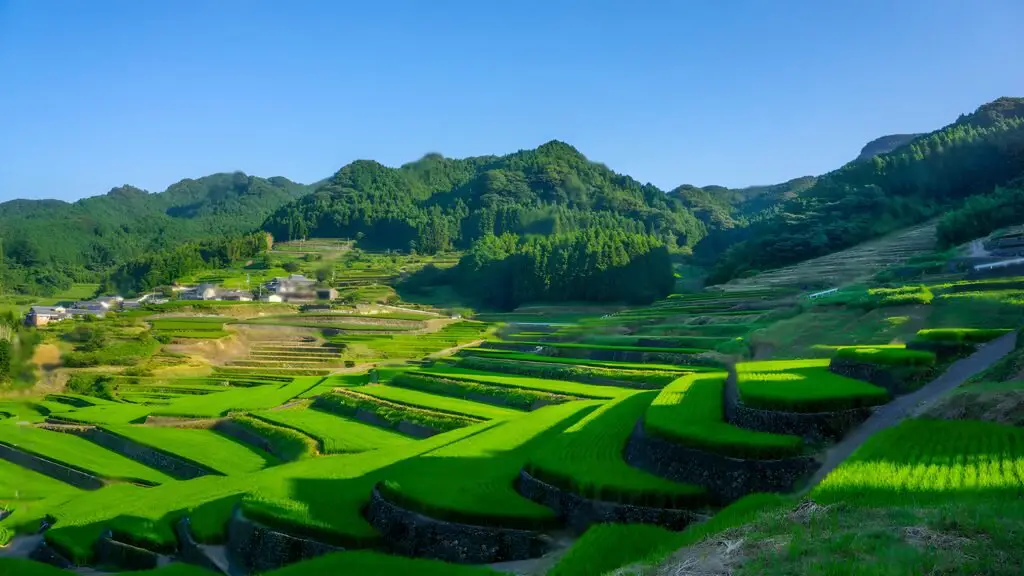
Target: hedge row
(585, 374)
(512, 397)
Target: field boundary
(899, 409)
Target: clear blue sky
(735, 92)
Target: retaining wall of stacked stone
(49, 468)
(726, 478)
(46, 554)
(261, 549)
(110, 553)
(943, 349)
(885, 376)
(169, 464)
(405, 427)
(412, 534)
(579, 512)
(809, 425)
(189, 550)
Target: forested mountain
(861, 200)
(885, 144)
(438, 203)
(47, 244)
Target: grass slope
(336, 434)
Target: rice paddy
(352, 401)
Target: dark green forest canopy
(908, 185)
(438, 203)
(48, 244)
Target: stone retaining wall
(883, 376)
(261, 549)
(189, 550)
(724, 477)
(46, 554)
(412, 534)
(110, 553)
(579, 512)
(76, 478)
(405, 426)
(809, 425)
(244, 435)
(169, 464)
(943, 349)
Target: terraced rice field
(803, 386)
(587, 460)
(205, 447)
(203, 327)
(78, 453)
(439, 403)
(526, 382)
(689, 412)
(335, 434)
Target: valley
(523, 364)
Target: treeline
(981, 215)
(49, 244)
(17, 346)
(164, 267)
(592, 265)
(438, 203)
(866, 199)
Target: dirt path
(913, 403)
(454, 349)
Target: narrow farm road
(904, 406)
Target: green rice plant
(923, 462)
(6, 535)
(286, 443)
(445, 404)
(610, 364)
(961, 335)
(119, 413)
(698, 342)
(204, 447)
(585, 374)
(804, 390)
(887, 356)
(335, 434)
(486, 466)
(689, 412)
(237, 400)
(902, 296)
(605, 547)
(517, 398)
(79, 454)
(605, 347)
(17, 483)
(348, 402)
(371, 563)
(525, 382)
(587, 460)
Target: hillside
(100, 232)
(885, 145)
(911, 184)
(437, 203)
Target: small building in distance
(271, 298)
(42, 315)
(235, 296)
(326, 293)
(294, 288)
(201, 292)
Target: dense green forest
(164, 267)
(131, 240)
(438, 203)
(983, 214)
(48, 244)
(866, 199)
(593, 265)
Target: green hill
(913, 183)
(101, 232)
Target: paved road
(904, 406)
